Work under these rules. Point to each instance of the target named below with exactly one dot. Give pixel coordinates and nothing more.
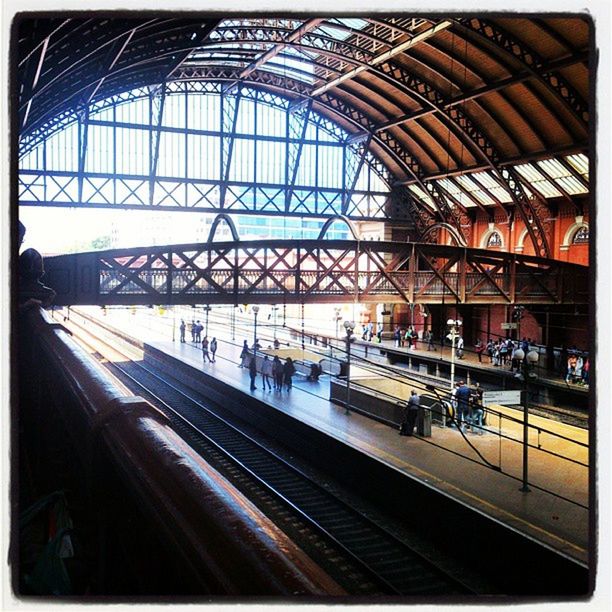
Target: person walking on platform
(490, 350)
(430, 341)
(253, 372)
(453, 399)
(412, 411)
(459, 351)
(192, 330)
(477, 410)
(205, 355)
(463, 405)
(408, 337)
(198, 332)
(266, 372)
(277, 373)
(213, 348)
(244, 356)
(182, 330)
(288, 372)
(479, 346)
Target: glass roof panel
(545, 187)
(581, 163)
(492, 185)
(475, 189)
(421, 195)
(354, 24)
(553, 168)
(572, 185)
(458, 193)
(295, 69)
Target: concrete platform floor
(447, 461)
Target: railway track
(357, 551)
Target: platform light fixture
(255, 310)
(528, 363)
(207, 310)
(454, 326)
(337, 317)
(349, 328)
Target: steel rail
(395, 582)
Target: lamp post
(274, 309)
(349, 327)
(517, 315)
(337, 318)
(454, 325)
(255, 311)
(528, 362)
(206, 309)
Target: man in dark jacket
(463, 405)
(253, 372)
(412, 411)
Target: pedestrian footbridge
(311, 271)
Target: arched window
(202, 148)
(581, 236)
(494, 240)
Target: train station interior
(303, 308)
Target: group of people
(405, 337)
(209, 347)
(578, 367)
(367, 332)
(195, 328)
(467, 407)
(502, 352)
(273, 371)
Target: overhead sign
(505, 398)
(509, 325)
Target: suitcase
(403, 429)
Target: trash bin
(424, 422)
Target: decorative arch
(572, 230)
(223, 217)
(520, 244)
(335, 218)
(452, 232)
(487, 236)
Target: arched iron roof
(439, 97)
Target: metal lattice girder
(230, 104)
(156, 110)
(533, 61)
(83, 135)
(299, 271)
(483, 145)
(422, 216)
(353, 157)
(315, 43)
(297, 124)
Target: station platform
(444, 461)
(555, 511)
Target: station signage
(509, 325)
(505, 398)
